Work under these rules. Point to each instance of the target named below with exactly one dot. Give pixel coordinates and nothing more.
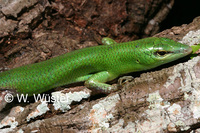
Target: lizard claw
(123, 80)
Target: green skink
(94, 65)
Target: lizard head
(164, 50)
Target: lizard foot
(123, 80)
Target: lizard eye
(162, 52)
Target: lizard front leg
(97, 82)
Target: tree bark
(165, 100)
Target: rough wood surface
(161, 101)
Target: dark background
(183, 12)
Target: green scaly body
(94, 65)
